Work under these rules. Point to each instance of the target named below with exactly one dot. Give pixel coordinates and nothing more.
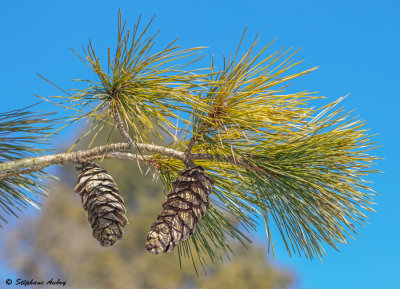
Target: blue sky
(354, 43)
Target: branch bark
(115, 150)
(121, 128)
(21, 172)
(84, 155)
(188, 153)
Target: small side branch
(238, 161)
(121, 128)
(188, 153)
(21, 172)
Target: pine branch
(121, 128)
(188, 153)
(268, 153)
(82, 155)
(115, 150)
(23, 133)
(21, 172)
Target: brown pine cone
(102, 201)
(185, 205)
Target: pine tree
(265, 152)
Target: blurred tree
(58, 243)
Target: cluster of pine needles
(277, 160)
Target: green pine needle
(149, 89)
(23, 133)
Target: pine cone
(185, 205)
(102, 201)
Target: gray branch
(84, 155)
(121, 128)
(115, 150)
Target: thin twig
(21, 172)
(188, 153)
(121, 128)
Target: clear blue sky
(355, 44)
